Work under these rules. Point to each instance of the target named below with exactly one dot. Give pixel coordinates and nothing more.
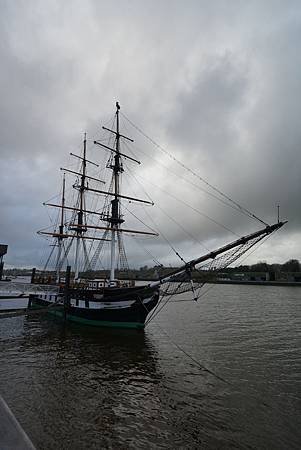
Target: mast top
(117, 106)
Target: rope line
(241, 208)
(200, 366)
(191, 207)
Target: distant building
(3, 251)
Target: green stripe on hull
(98, 323)
(94, 323)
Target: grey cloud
(215, 83)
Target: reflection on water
(75, 387)
(79, 384)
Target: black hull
(132, 316)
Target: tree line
(292, 265)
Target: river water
(80, 388)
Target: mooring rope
(200, 366)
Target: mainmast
(80, 226)
(61, 232)
(115, 218)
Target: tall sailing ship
(111, 302)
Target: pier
(20, 289)
(12, 435)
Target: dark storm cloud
(216, 83)
(240, 117)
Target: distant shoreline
(250, 283)
(259, 283)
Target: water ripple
(77, 388)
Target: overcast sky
(216, 83)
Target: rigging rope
(139, 220)
(191, 183)
(200, 366)
(48, 259)
(165, 213)
(241, 208)
(192, 207)
(183, 229)
(156, 310)
(210, 267)
(137, 240)
(165, 238)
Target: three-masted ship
(111, 302)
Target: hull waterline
(129, 313)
